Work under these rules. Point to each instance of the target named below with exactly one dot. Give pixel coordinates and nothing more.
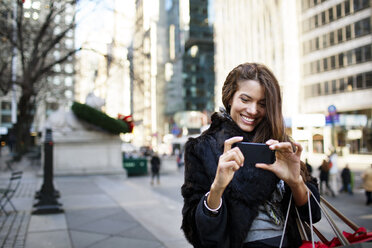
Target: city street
(108, 210)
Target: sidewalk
(99, 211)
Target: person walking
(309, 167)
(155, 168)
(324, 176)
(231, 205)
(367, 184)
(346, 180)
(333, 171)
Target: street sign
(332, 109)
(332, 119)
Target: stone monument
(82, 148)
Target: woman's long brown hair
(272, 126)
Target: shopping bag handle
(343, 240)
(347, 221)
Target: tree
(36, 35)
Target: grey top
(270, 220)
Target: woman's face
(248, 105)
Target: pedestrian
(367, 184)
(309, 167)
(180, 160)
(324, 177)
(155, 168)
(346, 180)
(333, 171)
(230, 205)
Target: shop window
(318, 143)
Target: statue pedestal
(87, 152)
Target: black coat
(249, 188)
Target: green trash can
(135, 166)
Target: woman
(228, 205)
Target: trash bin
(135, 166)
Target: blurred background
(163, 62)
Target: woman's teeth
(247, 119)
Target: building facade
(336, 67)
(149, 59)
(262, 32)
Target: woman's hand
(287, 165)
(229, 162)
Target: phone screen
(256, 153)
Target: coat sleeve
(315, 209)
(200, 229)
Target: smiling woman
(226, 206)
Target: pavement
(118, 211)
(98, 211)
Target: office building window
(359, 81)
(350, 83)
(358, 55)
(338, 11)
(325, 64)
(6, 105)
(326, 88)
(342, 84)
(331, 38)
(330, 14)
(333, 62)
(347, 7)
(341, 60)
(334, 86)
(368, 78)
(339, 35)
(6, 118)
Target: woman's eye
(244, 99)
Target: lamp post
(14, 63)
(47, 195)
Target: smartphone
(256, 153)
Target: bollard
(47, 195)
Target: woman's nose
(252, 108)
